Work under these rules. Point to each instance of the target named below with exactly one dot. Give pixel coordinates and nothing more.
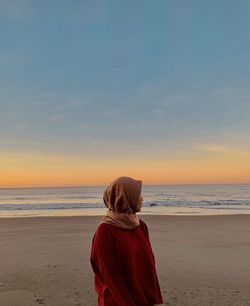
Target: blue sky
(119, 78)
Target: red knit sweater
(124, 267)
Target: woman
(121, 256)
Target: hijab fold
(121, 198)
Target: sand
(201, 260)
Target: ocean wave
(78, 197)
(49, 206)
(165, 194)
(46, 197)
(223, 203)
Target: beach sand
(201, 260)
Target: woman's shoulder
(105, 229)
(109, 233)
(102, 233)
(102, 227)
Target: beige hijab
(121, 197)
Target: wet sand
(201, 260)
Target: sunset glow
(158, 92)
(34, 170)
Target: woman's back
(123, 263)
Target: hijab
(121, 197)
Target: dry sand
(201, 260)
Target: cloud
(217, 148)
(149, 119)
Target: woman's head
(123, 195)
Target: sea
(158, 199)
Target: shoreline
(95, 218)
(147, 215)
(162, 210)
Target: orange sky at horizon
(52, 171)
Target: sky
(93, 90)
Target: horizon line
(104, 185)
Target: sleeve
(158, 295)
(103, 253)
(145, 228)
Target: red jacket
(124, 267)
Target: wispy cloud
(216, 148)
